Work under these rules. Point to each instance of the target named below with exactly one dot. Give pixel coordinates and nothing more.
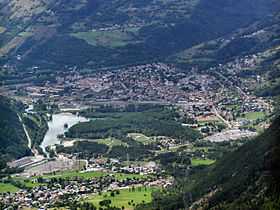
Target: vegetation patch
(198, 161)
(4, 188)
(255, 115)
(126, 199)
(159, 121)
(110, 142)
(140, 138)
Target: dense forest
(37, 126)
(159, 121)
(13, 141)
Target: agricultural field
(127, 198)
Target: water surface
(56, 127)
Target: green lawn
(254, 115)
(93, 174)
(199, 161)
(138, 196)
(110, 142)
(140, 138)
(7, 188)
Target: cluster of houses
(54, 191)
(110, 165)
(147, 82)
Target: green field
(198, 161)
(140, 138)
(110, 142)
(93, 174)
(254, 115)
(138, 196)
(7, 188)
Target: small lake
(56, 127)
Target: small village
(52, 187)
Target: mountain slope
(13, 141)
(243, 178)
(257, 37)
(247, 178)
(87, 34)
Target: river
(56, 127)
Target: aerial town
(220, 108)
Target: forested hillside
(258, 37)
(245, 179)
(13, 141)
(87, 34)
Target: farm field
(127, 198)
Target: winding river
(56, 127)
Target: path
(26, 133)
(220, 117)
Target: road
(220, 117)
(26, 133)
